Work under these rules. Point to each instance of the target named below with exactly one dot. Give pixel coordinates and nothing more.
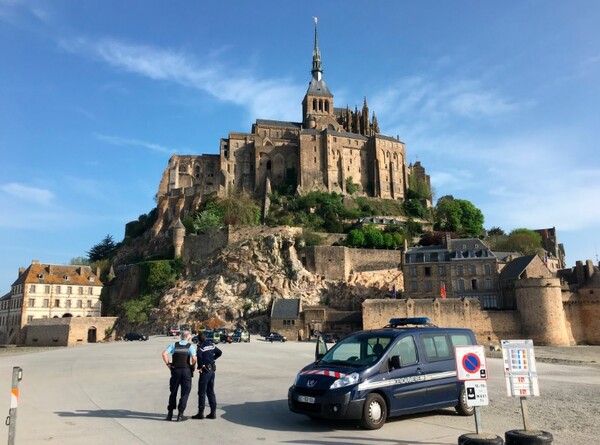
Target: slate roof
(273, 123)
(285, 308)
(514, 269)
(318, 88)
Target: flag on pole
(315, 19)
(443, 290)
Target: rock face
(239, 284)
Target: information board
(477, 394)
(470, 363)
(520, 372)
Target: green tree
(355, 238)
(103, 250)
(79, 261)
(496, 231)
(207, 219)
(351, 187)
(458, 215)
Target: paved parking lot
(117, 394)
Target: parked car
(241, 335)
(131, 336)
(405, 367)
(173, 331)
(224, 335)
(275, 336)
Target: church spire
(317, 70)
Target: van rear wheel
(374, 412)
(462, 407)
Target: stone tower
(178, 237)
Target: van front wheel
(462, 407)
(374, 412)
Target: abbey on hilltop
(328, 150)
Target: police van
(406, 367)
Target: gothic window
(327, 106)
(314, 104)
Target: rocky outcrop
(239, 284)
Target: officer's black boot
(181, 417)
(169, 415)
(200, 415)
(212, 415)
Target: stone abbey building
(329, 149)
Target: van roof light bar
(411, 321)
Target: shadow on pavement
(112, 414)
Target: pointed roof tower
(317, 106)
(317, 86)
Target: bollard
(480, 439)
(528, 437)
(11, 420)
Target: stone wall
(362, 260)
(198, 247)
(69, 331)
(488, 326)
(582, 312)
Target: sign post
(520, 373)
(471, 368)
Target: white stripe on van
(405, 380)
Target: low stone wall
(69, 331)
(362, 260)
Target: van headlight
(347, 380)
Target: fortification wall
(582, 312)
(197, 247)
(488, 326)
(539, 301)
(362, 260)
(329, 262)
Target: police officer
(207, 354)
(183, 359)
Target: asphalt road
(117, 394)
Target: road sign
(470, 363)
(477, 394)
(520, 372)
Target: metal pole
(477, 420)
(525, 413)
(11, 420)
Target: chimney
(447, 240)
(21, 270)
(35, 261)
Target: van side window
(406, 350)
(460, 340)
(436, 347)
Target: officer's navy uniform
(207, 354)
(181, 375)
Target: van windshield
(357, 350)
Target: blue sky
(500, 101)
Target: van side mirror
(395, 362)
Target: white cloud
(116, 140)
(267, 98)
(28, 193)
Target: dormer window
(40, 276)
(67, 278)
(92, 279)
